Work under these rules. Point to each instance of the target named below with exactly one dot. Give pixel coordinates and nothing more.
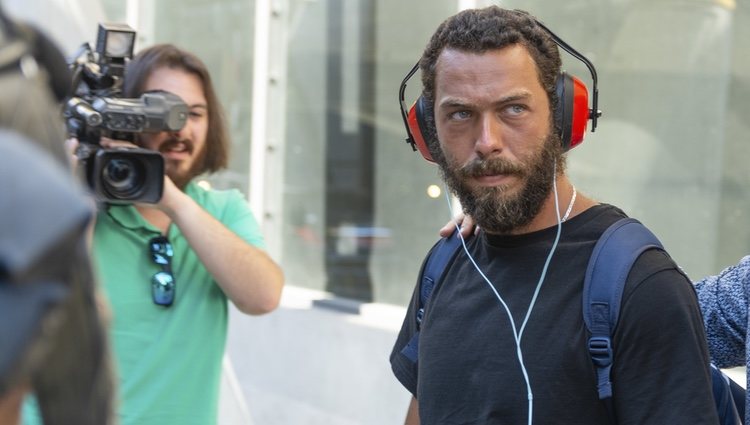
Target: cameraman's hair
(479, 31)
(140, 68)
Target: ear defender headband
(571, 114)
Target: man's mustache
(488, 167)
(170, 143)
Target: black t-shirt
(468, 370)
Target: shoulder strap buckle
(600, 349)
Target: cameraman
(169, 268)
(169, 357)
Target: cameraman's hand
(170, 198)
(70, 147)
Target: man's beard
(179, 177)
(494, 209)
(182, 178)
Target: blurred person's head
(52, 332)
(34, 78)
(52, 335)
(202, 146)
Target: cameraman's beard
(179, 179)
(182, 178)
(178, 175)
(494, 209)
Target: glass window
(357, 215)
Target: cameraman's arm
(246, 274)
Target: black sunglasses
(162, 283)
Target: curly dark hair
(481, 30)
(170, 56)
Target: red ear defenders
(571, 114)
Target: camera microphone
(80, 109)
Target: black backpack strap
(437, 262)
(613, 256)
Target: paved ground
(311, 365)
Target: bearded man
(502, 339)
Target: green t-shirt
(168, 359)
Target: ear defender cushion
(417, 127)
(572, 113)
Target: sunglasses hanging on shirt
(162, 283)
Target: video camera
(97, 109)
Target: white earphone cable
(517, 334)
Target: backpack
(613, 256)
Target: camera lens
(123, 178)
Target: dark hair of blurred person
(52, 334)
